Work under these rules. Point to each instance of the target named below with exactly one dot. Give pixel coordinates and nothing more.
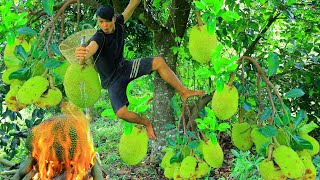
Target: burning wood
(61, 148)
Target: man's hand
(81, 53)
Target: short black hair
(105, 12)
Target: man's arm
(84, 53)
(127, 13)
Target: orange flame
(63, 144)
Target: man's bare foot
(150, 131)
(189, 93)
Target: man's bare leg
(168, 75)
(129, 116)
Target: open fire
(63, 145)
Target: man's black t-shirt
(111, 53)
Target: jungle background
(282, 36)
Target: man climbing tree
(106, 48)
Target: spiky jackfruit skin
(166, 159)
(133, 147)
(313, 141)
(188, 167)
(201, 43)
(241, 136)
(225, 103)
(52, 98)
(6, 74)
(310, 172)
(32, 89)
(11, 100)
(259, 140)
(62, 69)
(176, 173)
(289, 162)
(201, 170)
(212, 154)
(169, 171)
(269, 172)
(82, 85)
(10, 60)
(283, 138)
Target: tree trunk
(163, 92)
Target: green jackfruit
(6, 74)
(269, 172)
(241, 136)
(169, 171)
(225, 103)
(188, 167)
(32, 89)
(82, 85)
(133, 147)
(289, 162)
(202, 170)
(176, 173)
(212, 154)
(166, 159)
(52, 98)
(10, 60)
(11, 100)
(38, 69)
(201, 43)
(282, 137)
(310, 172)
(259, 140)
(314, 142)
(62, 69)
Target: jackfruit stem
(274, 139)
(44, 74)
(270, 151)
(200, 22)
(51, 81)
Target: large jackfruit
(133, 147)
(166, 159)
(11, 100)
(6, 74)
(212, 154)
(269, 172)
(10, 60)
(241, 136)
(310, 172)
(176, 173)
(313, 141)
(188, 167)
(201, 43)
(289, 162)
(82, 85)
(51, 98)
(169, 171)
(225, 103)
(32, 89)
(259, 140)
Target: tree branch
(6, 162)
(255, 42)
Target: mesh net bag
(69, 45)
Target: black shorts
(126, 72)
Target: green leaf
(22, 74)
(171, 142)
(127, 127)
(211, 26)
(299, 118)
(217, 6)
(10, 38)
(308, 128)
(109, 113)
(27, 31)
(169, 126)
(52, 63)
(266, 113)
(200, 5)
(273, 63)
(48, 6)
(268, 131)
(298, 143)
(294, 93)
(219, 84)
(286, 116)
(193, 144)
(55, 49)
(290, 2)
(230, 16)
(223, 127)
(191, 134)
(176, 158)
(21, 52)
(29, 123)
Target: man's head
(106, 19)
